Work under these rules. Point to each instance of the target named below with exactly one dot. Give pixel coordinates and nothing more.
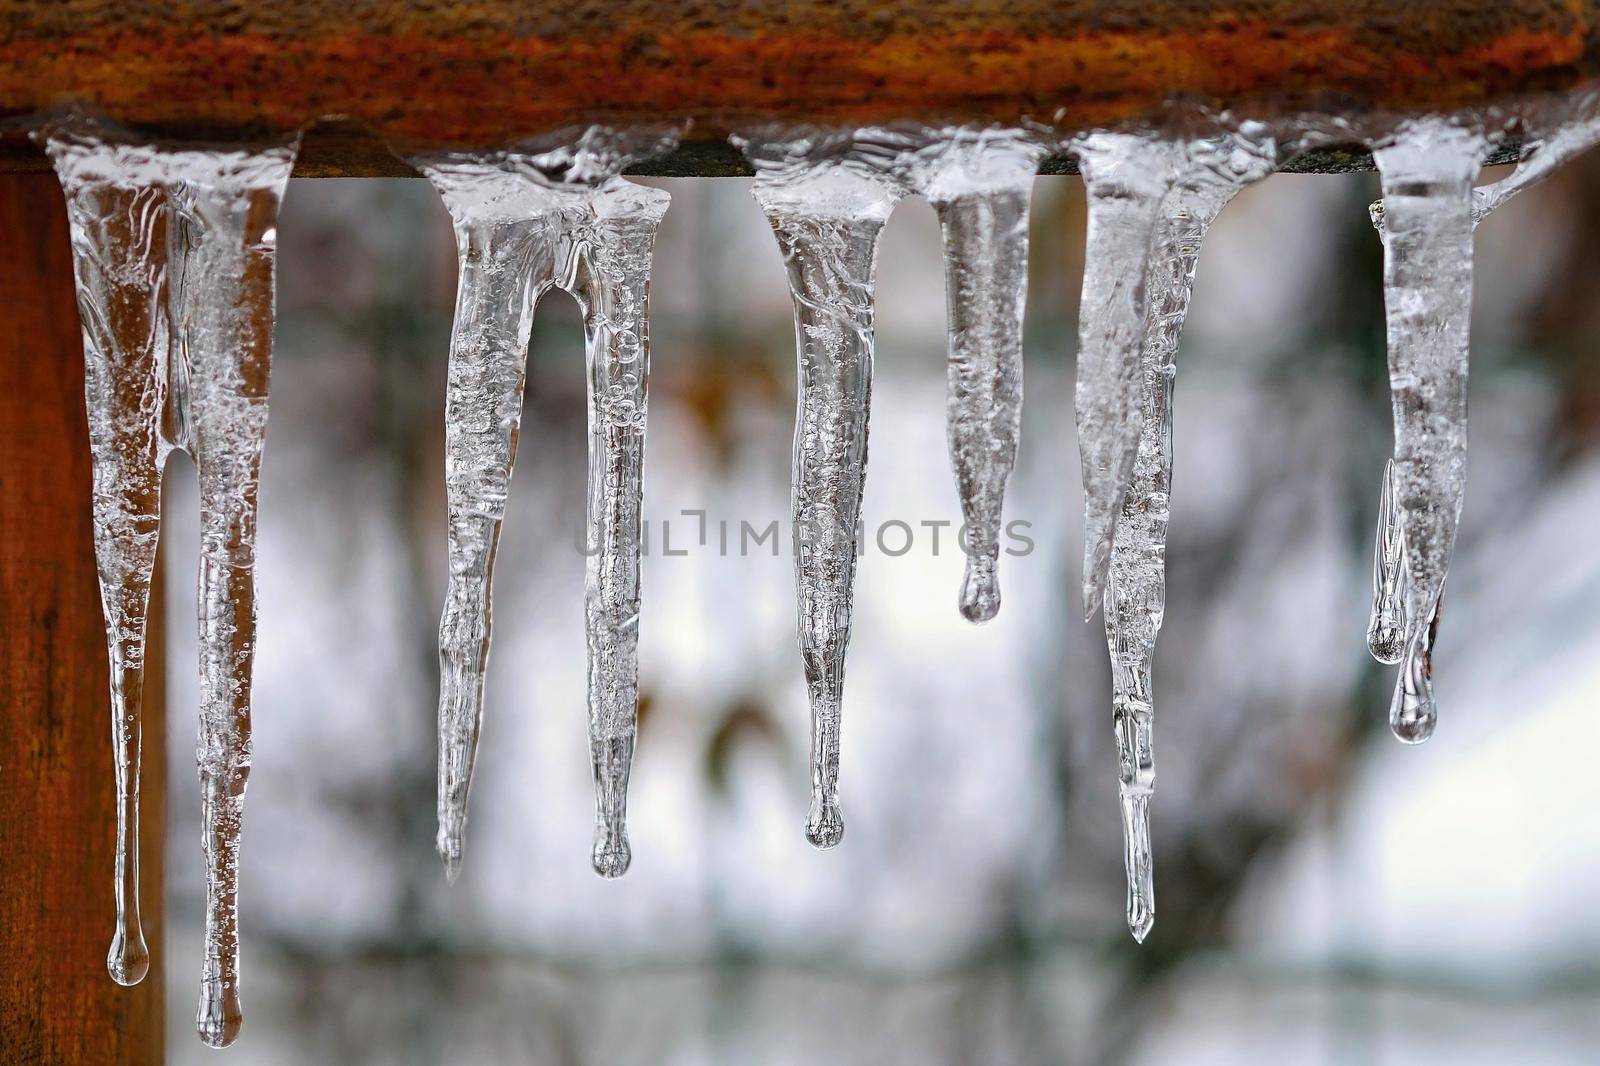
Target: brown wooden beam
(481, 73)
(57, 814)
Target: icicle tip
(1141, 920)
(450, 852)
(219, 1019)
(129, 959)
(824, 825)
(980, 592)
(611, 856)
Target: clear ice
(1126, 177)
(1427, 168)
(525, 221)
(980, 183)
(827, 204)
(174, 253)
(1386, 626)
(1210, 173)
(611, 281)
(119, 237)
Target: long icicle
(827, 219)
(1125, 177)
(1214, 171)
(119, 223)
(222, 239)
(981, 189)
(1427, 170)
(508, 232)
(611, 282)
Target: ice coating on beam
(174, 255)
(551, 213)
(1212, 171)
(1427, 167)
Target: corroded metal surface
(483, 72)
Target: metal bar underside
(481, 73)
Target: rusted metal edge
(336, 150)
(482, 73)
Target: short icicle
(1427, 169)
(508, 227)
(980, 185)
(613, 245)
(1386, 626)
(1212, 173)
(119, 234)
(1557, 130)
(1125, 177)
(827, 216)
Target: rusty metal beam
(486, 72)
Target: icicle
(612, 284)
(119, 224)
(980, 186)
(173, 254)
(827, 212)
(224, 236)
(1386, 628)
(1212, 173)
(1125, 177)
(1426, 220)
(521, 219)
(507, 240)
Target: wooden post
(57, 814)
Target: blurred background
(1324, 895)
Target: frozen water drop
(219, 1017)
(824, 823)
(129, 959)
(1412, 712)
(980, 589)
